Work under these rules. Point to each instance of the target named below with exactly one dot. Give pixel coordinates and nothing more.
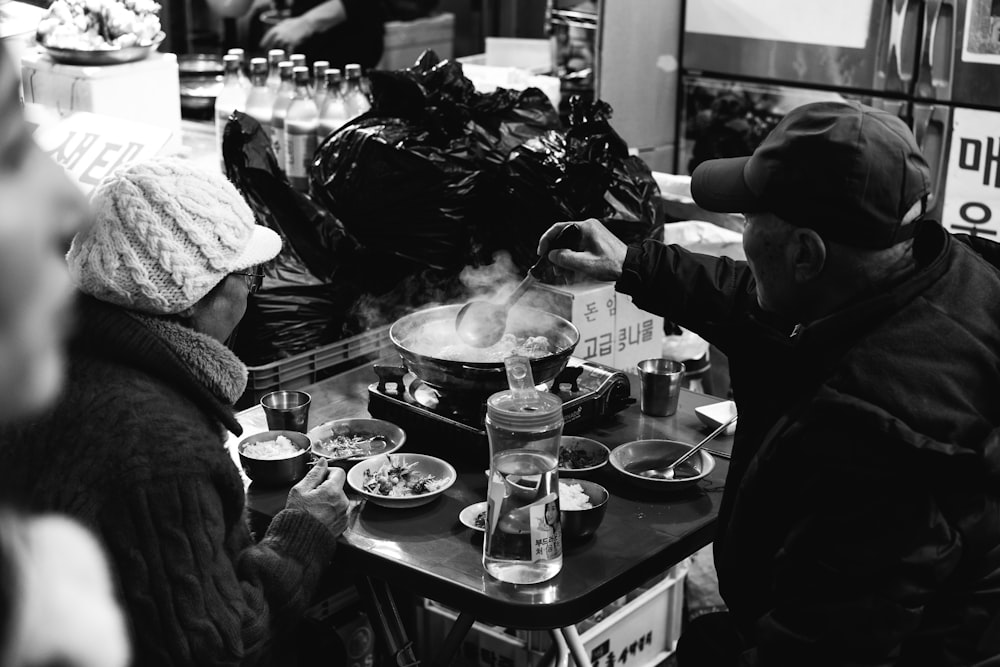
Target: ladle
(667, 472)
(483, 323)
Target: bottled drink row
(296, 107)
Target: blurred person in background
(57, 604)
(339, 31)
(860, 523)
(134, 447)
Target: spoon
(483, 323)
(667, 472)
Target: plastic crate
(308, 367)
(637, 630)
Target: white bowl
(715, 415)
(426, 465)
(470, 513)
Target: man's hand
(321, 493)
(601, 256)
(288, 34)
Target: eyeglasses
(254, 278)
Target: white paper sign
(90, 146)
(982, 32)
(843, 24)
(972, 191)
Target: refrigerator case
(934, 63)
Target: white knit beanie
(165, 234)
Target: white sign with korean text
(90, 146)
(972, 189)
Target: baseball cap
(850, 172)
(165, 234)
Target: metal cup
(660, 386)
(286, 410)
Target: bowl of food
(100, 32)
(275, 457)
(582, 505)
(345, 442)
(581, 457)
(474, 516)
(638, 462)
(715, 415)
(401, 480)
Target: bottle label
(278, 143)
(546, 533)
(300, 149)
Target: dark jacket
(861, 519)
(359, 39)
(134, 448)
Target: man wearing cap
(134, 448)
(861, 519)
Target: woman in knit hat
(134, 448)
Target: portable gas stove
(590, 392)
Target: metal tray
(99, 57)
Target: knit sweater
(135, 449)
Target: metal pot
(482, 378)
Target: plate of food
(344, 442)
(581, 455)
(100, 32)
(474, 516)
(401, 480)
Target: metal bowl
(99, 57)
(638, 455)
(394, 437)
(580, 524)
(592, 449)
(477, 377)
(201, 79)
(426, 465)
(276, 471)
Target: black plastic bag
(309, 287)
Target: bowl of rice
(275, 457)
(582, 505)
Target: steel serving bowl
(482, 377)
(591, 449)
(426, 465)
(390, 438)
(201, 80)
(276, 471)
(99, 57)
(579, 524)
(632, 457)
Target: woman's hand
(288, 34)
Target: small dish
(715, 415)
(640, 455)
(574, 451)
(373, 437)
(474, 516)
(578, 524)
(422, 464)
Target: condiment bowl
(574, 450)
(633, 457)
(275, 471)
(715, 415)
(383, 438)
(364, 471)
(582, 523)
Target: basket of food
(100, 32)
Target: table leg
(558, 653)
(381, 607)
(576, 647)
(454, 639)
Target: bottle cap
(301, 75)
(285, 70)
(523, 407)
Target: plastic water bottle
(300, 132)
(523, 543)
(260, 101)
(274, 58)
(231, 98)
(283, 98)
(333, 115)
(354, 98)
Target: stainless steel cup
(660, 386)
(286, 410)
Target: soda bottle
(300, 132)
(299, 60)
(244, 79)
(523, 543)
(283, 98)
(354, 98)
(260, 101)
(274, 57)
(231, 98)
(333, 114)
(317, 86)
